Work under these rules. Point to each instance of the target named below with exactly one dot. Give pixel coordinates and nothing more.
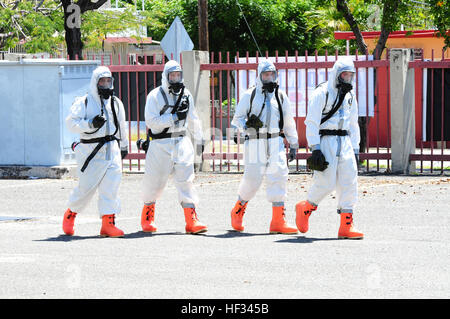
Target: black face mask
(176, 87)
(344, 88)
(105, 93)
(270, 87)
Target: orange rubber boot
(68, 222)
(303, 210)
(148, 218)
(278, 224)
(109, 228)
(193, 225)
(346, 230)
(237, 216)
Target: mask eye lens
(105, 83)
(347, 77)
(175, 77)
(268, 77)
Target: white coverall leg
(264, 158)
(341, 175)
(104, 176)
(165, 157)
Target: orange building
(427, 46)
(427, 40)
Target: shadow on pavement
(228, 234)
(304, 240)
(233, 234)
(139, 234)
(65, 238)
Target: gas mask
(175, 80)
(269, 80)
(345, 80)
(105, 87)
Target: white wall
(35, 98)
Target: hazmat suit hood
(171, 66)
(342, 64)
(263, 66)
(99, 72)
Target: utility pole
(203, 36)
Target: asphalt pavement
(405, 252)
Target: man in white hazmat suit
(99, 118)
(332, 133)
(169, 113)
(264, 114)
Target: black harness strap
(168, 135)
(280, 108)
(333, 132)
(264, 136)
(163, 134)
(101, 140)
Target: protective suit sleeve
(354, 126)
(122, 125)
(314, 116)
(240, 114)
(194, 123)
(290, 130)
(153, 119)
(76, 121)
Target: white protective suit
(104, 171)
(265, 157)
(339, 151)
(170, 155)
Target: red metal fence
(134, 81)
(223, 69)
(432, 97)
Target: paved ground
(405, 253)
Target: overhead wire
(250, 29)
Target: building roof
(147, 40)
(338, 35)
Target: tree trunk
(342, 7)
(72, 25)
(73, 42)
(389, 16)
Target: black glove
(317, 161)
(254, 122)
(123, 153)
(142, 145)
(183, 110)
(292, 154)
(181, 115)
(98, 121)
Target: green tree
(440, 9)
(394, 13)
(37, 24)
(43, 26)
(275, 24)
